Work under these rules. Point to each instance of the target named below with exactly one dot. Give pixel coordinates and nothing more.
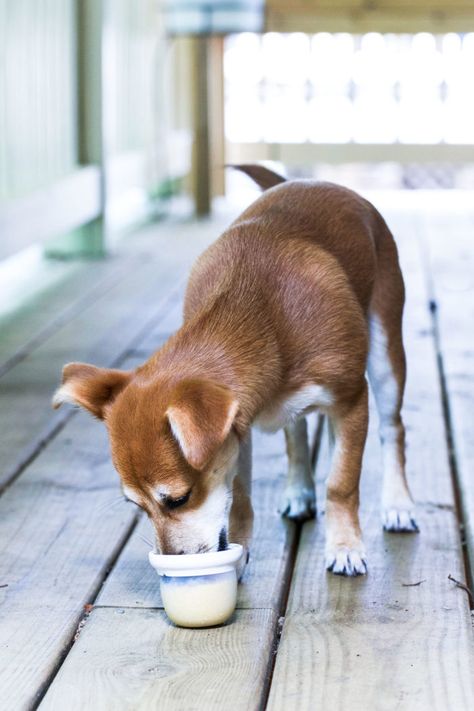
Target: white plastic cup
(198, 590)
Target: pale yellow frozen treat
(200, 601)
(199, 590)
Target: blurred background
(117, 112)
(117, 118)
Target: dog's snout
(169, 550)
(166, 546)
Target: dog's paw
(298, 504)
(397, 520)
(346, 561)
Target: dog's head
(173, 445)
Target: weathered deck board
(23, 329)
(26, 418)
(371, 643)
(232, 662)
(450, 274)
(58, 537)
(135, 659)
(62, 523)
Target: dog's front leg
(299, 497)
(345, 553)
(241, 513)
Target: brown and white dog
(283, 316)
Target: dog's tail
(264, 177)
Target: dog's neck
(222, 344)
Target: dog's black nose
(223, 544)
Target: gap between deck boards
(84, 614)
(80, 304)
(451, 450)
(92, 333)
(433, 306)
(376, 642)
(61, 418)
(315, 450)
(279, 613)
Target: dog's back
(335, 218)
(302, 257)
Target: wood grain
(61, 291)
(372, 643)
(58, 534)
(135, 659)
(61, 526)
(184, 669)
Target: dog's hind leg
(387, 375)
(299, 498)
(345, 552)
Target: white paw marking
(346, 561)
(298, 504)
(399, 520)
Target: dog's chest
(286, 410)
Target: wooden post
(201, 183)
(88, 240)
(90, 21)
(216, 117)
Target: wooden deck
(81, 620)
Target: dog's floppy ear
(90, 387)
(201, 414)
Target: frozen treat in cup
(198, 590)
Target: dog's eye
(176, 503)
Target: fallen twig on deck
(413, 585)
(464, 587)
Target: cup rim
(196, 563)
